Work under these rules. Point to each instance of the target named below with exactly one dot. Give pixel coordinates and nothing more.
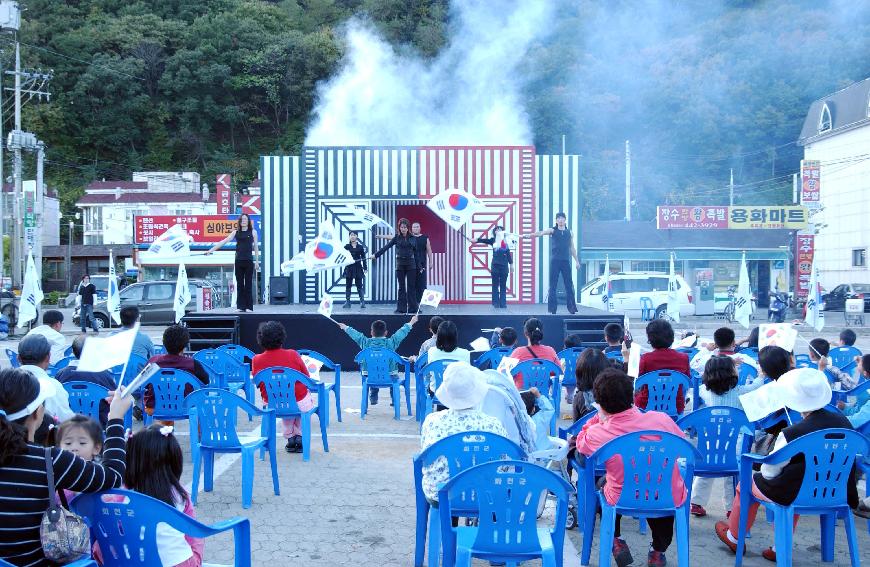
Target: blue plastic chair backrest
(747, 373)
(569, 357)
(688, 351)
(135, 364)
(537, 373)
(377, 362)
(860, 390)
(238, 352)
(421, 362)
(648, 461)
(844, 357)
(493, 356)
(575, 427)
(169, 385)
(614, 355)
(435, 372)
(63, 363)
(751, 352)
(159, 349)
(718, 430)
(803, 361)
(325, 360)
(663, 386)
(508, 494)
(280, 383)
(85, 398)
(13, 358)
(217, 416)
(829, 455)
(646, 303)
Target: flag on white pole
(182, 293)
(814, 316)
(113, 301)
(454, 206)
(607, 296)
(325, 307)
(743, 301)
(31, 294)
(673, 294)
(361, 217)
(100, 353)
(174, 243)
(431, 297)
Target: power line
(89, 63)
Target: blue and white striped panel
(281, 179)
(558, 186)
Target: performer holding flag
(500, 267)
(247, 260)
(407, 266)
(561, 251)
(354, 273)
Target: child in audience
(841, 380)
(379, 339)
(506, 337)
(430, 342)
(589, 365)
(719, 389)
(154, 466)
(848, 337)
(541, 410)
(533, 330)
(447, 345)
(613, 336)
(724, 344)
(660, 335)
(81, 436)
(859, 413)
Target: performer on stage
(561, 251)
(247, 260)
(500, 267)
(407, 267)
(423, 252)
(355, 273)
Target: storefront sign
(810, 183)
(204, 301)
(222, 188)
(204, 229)
(803, 266)
(737, 217)
(251, 205)
(29, 189)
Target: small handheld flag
(455, 207)
(325, 307)
(431, 297)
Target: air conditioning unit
(10, 15)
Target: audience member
(774, 361)
(574, 340)
(805, 390)
(379, 339)
(590, 364)
(72, 374)
(660, 336)
(503, 402)
(23, 482)
(83, 437)
(462, 391)
(859, 412)
(34, 354)
(446, 345)
(723, 344)
(503, 337)
(533, 330)
(541, 410)
(750, 342)
(271, 336)
(613, 336)
(175, 340)
(613, 390)
(142, 345)
(430, 342)
(848, 337)
(52, 323)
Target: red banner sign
(222, 188)
(803, 265)
(203, 229)
(693, 217)
(251, 205)
(810, 183)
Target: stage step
(212, 330)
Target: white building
(50, 213)
(837, 133)
(108, 207)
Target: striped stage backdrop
(521, 191)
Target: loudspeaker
(279, 290)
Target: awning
(699, 254)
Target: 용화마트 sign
(789, 217)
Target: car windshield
(861, 288)
(100, 282)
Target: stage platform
(309, 330)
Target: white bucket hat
(464, 386)
(804, 389)
(47, 389)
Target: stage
(307, 329)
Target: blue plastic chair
(333, 387)
(214, 415)
(13, 358)
(572, 465)
(68, 351)
(124, 523)
(746, 373)
(169, 385)
(507, 496)
(85, 398)
(135, 364)
(723, 433)
(159, 349)
(419, 394)
(544, 375)
(663, 387)
(803, 361)
(435, 373)
(569, 357)
(647, 309)
(829, 455)
(60, 365)
(461, 451)
(646, 492)
(493, 356)
(377, 362)
(280, 385)
(233, 362)
(751, 352)
(844, 358)
(614, 355)
(777, 417)
(862, 389)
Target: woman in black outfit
(407, 266)
(247, 260)
(355, 272)
(500, 267)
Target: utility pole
(731, 189)
(627, 181)
(17, 256)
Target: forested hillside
(209, 85)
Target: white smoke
(469, 94)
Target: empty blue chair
(545, 376)
(234, 364)
(169, 386)
(803, 361)
(213, 427)
(829, 455)
(85, 398)
(647, 309)
(493, 356)
(843, 357)
(648, 460)
(419, 394)
(334, 387)
(377, 362)
(663, 387)
(431, 374)
(280, 385)
(722, 433)
(747, 373)
(238, 352)
(507, 496)
(862, 389)
(124, 523)
(460, 451)
(569, 357)
(13, 358)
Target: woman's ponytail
(534, 330)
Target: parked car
(627, 288)
(835, 300)
(155, 301)
(9, 306)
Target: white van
(627, 289)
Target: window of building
(54, 270)
(859, 257)
(651, 266)
(93, 239)
(825, 122)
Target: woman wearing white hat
(805, 390)
(462, 391)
